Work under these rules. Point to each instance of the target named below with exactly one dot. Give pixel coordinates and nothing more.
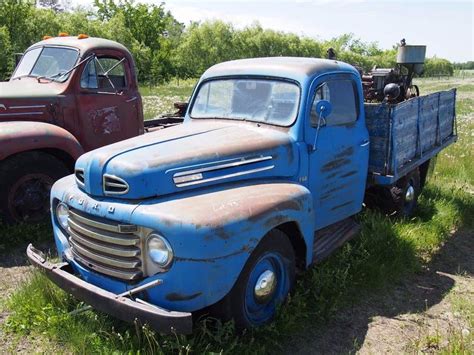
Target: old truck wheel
(264, 283)
(402, 198)
(25, 183)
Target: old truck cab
(216, 214)
(67, 95)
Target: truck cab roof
(295, 68)
(83, 45)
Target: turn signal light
(63, 34)
(82, 36)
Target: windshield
(258, 100)
(49, 62)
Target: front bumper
(120, 307)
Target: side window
(104, 74)
(89, 76)
(342, 96)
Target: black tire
(401, 199)
(234, 305)
(25, 183)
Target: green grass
(159, 100)
(13, 237)
(384, 252)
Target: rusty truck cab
(67, 95)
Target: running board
(330, 238)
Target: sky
(446, 27)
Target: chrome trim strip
(125, 275)
(224, 166)
(240, 173)
(31, 106)
(21, 113)
(102, 237)
(108, 249)
(101, 258)
(117, 180)
(95, 224)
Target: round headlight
(159, 250)
(62, 213)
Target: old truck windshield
(49, 62)
(260, 100)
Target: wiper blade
(65, 72)
(51, 77)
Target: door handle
(132, 99)
(365, 143)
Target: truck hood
(26, 88)
(25, 99)
(188, 156)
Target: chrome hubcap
(265, 286)
(410, 194)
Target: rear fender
(22, 136)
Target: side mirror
(323, 108)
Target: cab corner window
(342, 96)
(104, 74)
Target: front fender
(214, 233)
(21, 136)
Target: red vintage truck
(67, 95)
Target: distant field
(159, 100)
(401, 286)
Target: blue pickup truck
(273, 160)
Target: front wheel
(25, 183)
(265, 282)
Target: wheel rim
(267, 286)
(410, 198)
(410, 194)
(28, 198)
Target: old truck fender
(21, 136)
(213, 233)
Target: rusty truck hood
(187, 156)
(26, 99)
(26, 88)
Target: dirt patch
(398, 319)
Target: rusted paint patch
(105, 121)
(175, 296)
(350, 173)
(334, 164)
(345, 153)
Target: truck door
(108, 101)
(338, 165)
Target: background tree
(164, 48)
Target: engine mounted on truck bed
(410, 61)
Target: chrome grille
(109, 248)
(79, 173)
(114, 185)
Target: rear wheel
(264, 283)
(25, 183)
(397, 200)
